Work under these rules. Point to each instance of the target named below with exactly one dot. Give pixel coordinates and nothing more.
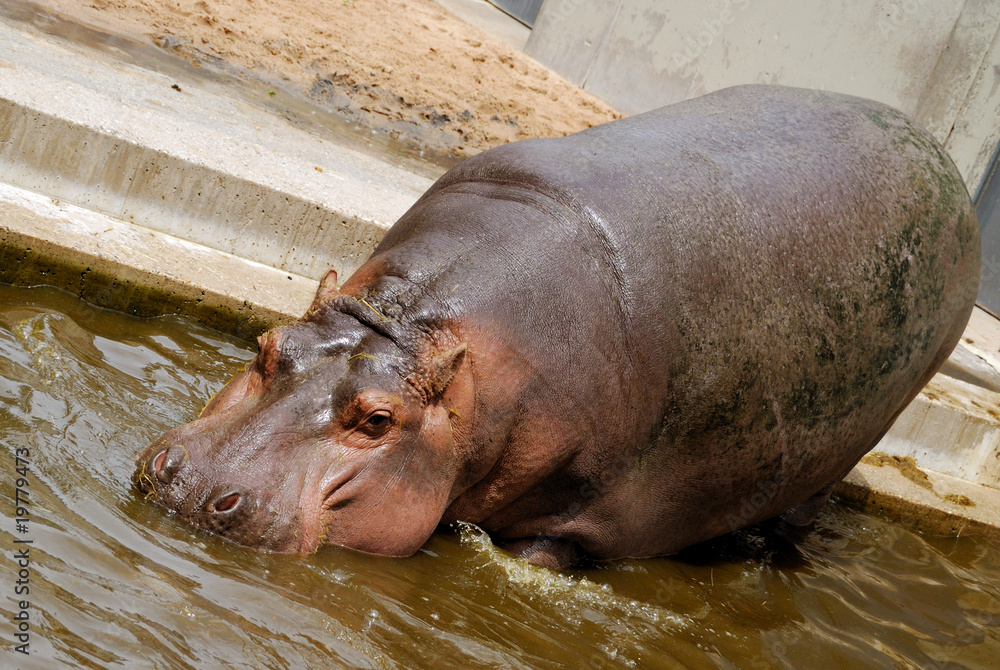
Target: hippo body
(614, 344)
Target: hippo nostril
(224, 503)
(167, 463)
(158, 465)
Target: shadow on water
(117, 582)
(219, 77)
(773, 542)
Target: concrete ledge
(951, 427)
(136, 146)
(982, 339)
(949, 506)
(141, 271)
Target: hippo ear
(327, 289)
(441, 368)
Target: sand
(406, 67)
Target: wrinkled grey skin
(618, 343)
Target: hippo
(618, 343)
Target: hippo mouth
(222, 510)
(231, 511)
(226, 509)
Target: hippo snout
(157, 477)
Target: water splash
(575, 595)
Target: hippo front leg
(548, 552)
(806, 511)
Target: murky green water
(117, 583)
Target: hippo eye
(376, 424)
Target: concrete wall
(937, 60)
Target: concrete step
(141, 271)
(951, 427)
(173, 156)
(934, 503)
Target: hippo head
(332, 434)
